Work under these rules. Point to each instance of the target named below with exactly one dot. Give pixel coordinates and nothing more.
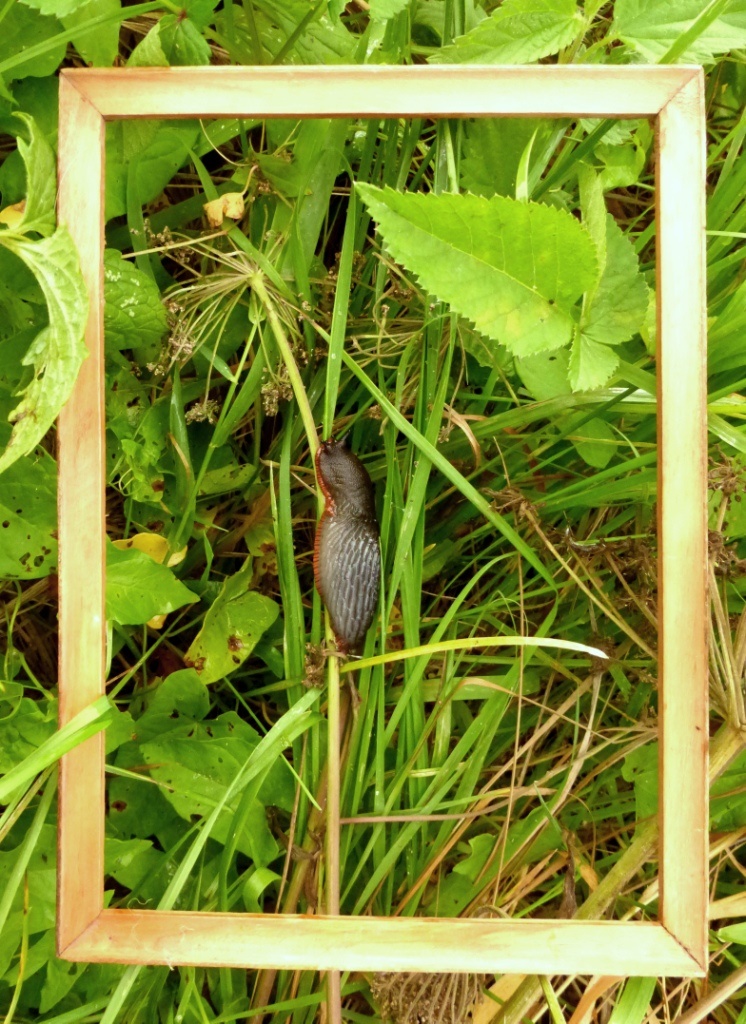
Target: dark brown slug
(346, 557)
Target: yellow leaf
(152, 544)
(230, 205)
(156, 622)
(13, 215)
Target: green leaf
(134, 316)
(546, 377)
(383, 10)
(493, 148)
(652, 28)
(86, 723)
(641, 768)
(55, 8)
(233, 625)
(57, 352)
(138, 588)
(28, 519)
(733, 933)
(181, 41)
(632, 1006)
(517, 32)
(24, 727)
(157, 148)
(99, 48)
(514, 269)
(22, 29)
(591, 364)
(200, 761)
(619, 304)
(41, 180)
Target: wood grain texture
(81, 455)
(682, 516)
(381, 944)
(381, 91)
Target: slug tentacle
(347, 561)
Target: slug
(346, 557)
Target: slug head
(344, 480)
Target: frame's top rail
(381, 91)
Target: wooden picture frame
(676, 945)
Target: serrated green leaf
(134, 316)
(517, 32)
(58, 351)
(619, 304)
(514, 269)
(652, 28)
(591, 364)
(138, 588)
(41, 180)
(234, 624)
(149, 52)
(28, 519)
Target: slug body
(346, 559)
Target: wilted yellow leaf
(230, 204)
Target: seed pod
(346, 558)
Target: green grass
(478, 774)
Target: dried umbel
(427, 998)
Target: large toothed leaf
(518, 32)
(699, 30)
(514, 269)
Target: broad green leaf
(23, 28)
(41, 180)
(28, 518)
(514, 269)
(384, 10)
(138, 588)
(88, 722)
(619, 304)
(182, 42)
(55, 8)
(493, 148)
(591, 364)
(651, 27)
(546, 377)
(199, 762)
(149, 52)
(57, 352)
(157, 149)
(134, 316)
(234, 624)
(24, 726)
(100, 47)
(517, 32)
